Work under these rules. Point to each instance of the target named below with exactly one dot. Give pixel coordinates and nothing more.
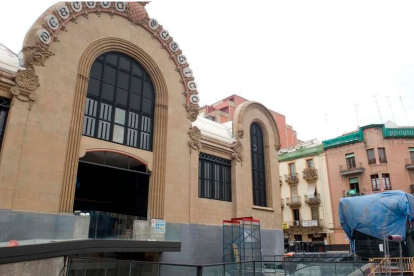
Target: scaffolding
(241, 240)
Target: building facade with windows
(223, 111)
(374, 159)
(306, 202)
(100, 142)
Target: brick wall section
(397, 151)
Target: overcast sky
(320, 63)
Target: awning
(65, 248)
(349, 155)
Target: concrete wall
(22, 226)
(34, 268)
(203, 244)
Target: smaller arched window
(120, 102)
(258, 166)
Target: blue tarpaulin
(377, 215)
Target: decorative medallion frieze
(67, 12)
(237, 147)
(195, 138)
(277, 147)
(27, 81)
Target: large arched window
(120, 102)
(258, 166)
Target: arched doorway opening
(113, 189)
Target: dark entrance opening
(113, 188)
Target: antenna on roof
(405, 113)
(392, 112)
(356, 112)
(376, 102)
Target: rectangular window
(354, 184)
(292, 169)
(411, 150)
(4, 111)
(381, 155)
(214, 179)
(296, 217)
(350, 161)
(386, 181)
(310, 163)
(375, 183)
(315, 214)
(371, 157)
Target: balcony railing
(344, 140)
(346, 194)
(282, 202)
(351, 170)
(111, 226)
(310, 174)
(313, 223)
(280, 180)
(292, 178)
(293, 201)
(315, 200)
(409, 164)
(294, 224)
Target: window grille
(120, 102)
(214, 177)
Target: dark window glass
(115, 109)
(4, 111)
(296, 217)
(371, 157)
(315, 213)
(354, 184)
(411, 150)
(310, 163)
(375, 182)
(386, 181)
(214, 177)
(258, 167)
(381, 155)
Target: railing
(293, 201)
(409, 164)
(388, 266)
(313, 200)
(294, 224)
(300, 153)
(111, 226)
(344, 140)
(280, 180)
(292, 178)
(313, 223)
(398, 132)
(310, 174)
(348, 170)
(282, 202)
(85, 266)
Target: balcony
(348, 170)
(282, 203)
(280, 180)
(293, 201)
(292, 178)
(294, 224)
(346, 194)
(409, 164)
(314, 200)
(312, 224)
(310, 174)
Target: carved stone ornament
(27, 81)
(192, 111)
(240, 134)
(238, 151)
(277, 147)
(36, 55)
(195, 137)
